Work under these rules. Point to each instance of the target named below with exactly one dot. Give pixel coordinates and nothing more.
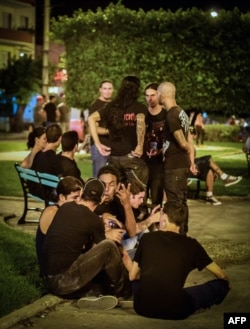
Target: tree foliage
(207, 58)
(21, 78)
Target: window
(24, 22)
(4, 57)
(7, 20)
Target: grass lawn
(20, 283)
(228, 156)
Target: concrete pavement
(223, 230)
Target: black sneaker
(212, 200)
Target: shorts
(203, 166)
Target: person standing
(200, 129)
(52, 114)
(64, 111)
(98, 160)
(38, 112)
(178, 149)
(125, 122)
(162, 263)
(154, 138)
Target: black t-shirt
(155, 135)
(73, 227)
(114, 208)
(68, 167)
(96, 106)
(165, 260)
(45, 162)
(127, 142)
(50, 109)
(175, 156)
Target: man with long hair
(125, 122)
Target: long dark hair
(127, 94)
(36, 133)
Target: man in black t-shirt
(47, 161)
(69, 265)
(162, 263)
(51, 111)
(154, 138)
(178, 149)
(125, 122)
(68, 165)
(99, 160)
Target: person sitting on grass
(209, 171)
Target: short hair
(152, 85)
(53, 133)
(136, 187)
(52, 97)
(109, 169)
(176, 213)
(104, 81)
(36, 133)
(68, 184)
(69, 140)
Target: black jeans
(103, 256)
(210, 293)
(175, 185)
(156, 182)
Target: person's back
(64, 111)
(167, 259)
(67, 163)
(51, 111)
(163, 261)
(46, 161)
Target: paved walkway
(223, 230)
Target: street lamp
(214, 13)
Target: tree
(207, 58)
(21, 78)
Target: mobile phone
(113, 224)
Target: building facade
(17, 29)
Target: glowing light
(214, 14)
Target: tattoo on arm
(140, 129)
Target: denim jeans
(130, 168)
(210, 293)
(175, 185)
(103, 256)
(98, 160)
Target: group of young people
(93, 239)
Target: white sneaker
(103, 303)
(231, 180)
(212, 200)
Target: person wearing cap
(125, 124)
(67, 263)
(38, 112)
